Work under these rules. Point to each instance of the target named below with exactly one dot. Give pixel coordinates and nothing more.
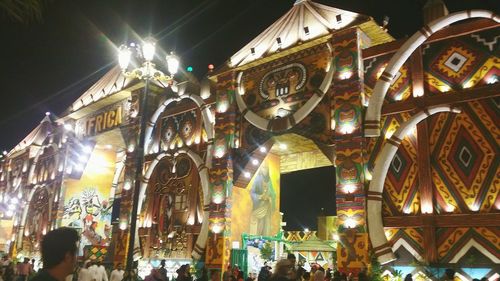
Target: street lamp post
(146, 72)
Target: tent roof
(313, 244)
(305, 21)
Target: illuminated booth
(409, 125)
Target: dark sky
(304, 193)
(45, 66)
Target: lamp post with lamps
(147, 72)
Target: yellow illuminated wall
(256, 208)
(87, 203)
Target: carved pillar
(121, 231)
(352, 251)
(221, 175)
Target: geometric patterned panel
(412, 236)
(400, 87)
(465, 157)
(450, 241)
(389, 125)
(97, 253)
(401, 185)
(462, 62)
(400, 194)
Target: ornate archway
(202, 170)
(380, 245)
(36, 218)
(373, 113)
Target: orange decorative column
(352, 249)
(221, 175)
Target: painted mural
(87, 206)
(257, 211)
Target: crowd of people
(288, 270)
(59, 258)
(89, 271)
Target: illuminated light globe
(217, 199)
(172, 63)
(350, 223)
(123, 225)
(189, 69)
(148, 49)
(217, 228)
(124, 55)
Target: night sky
(303, 195)
(45, 66)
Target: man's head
(162, 263)
(291, 258)
(215, 276)
(119, 266)
(26, 260)
(59, 248)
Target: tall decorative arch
(372, 118)
(379, 242)
(199, 247)
(39, 195)
(35, 163)
(293, 119)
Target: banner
(87, 201)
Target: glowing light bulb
(346, 128)
(217, 228)
(350, 223)
(345, 74)
(123, 225)
(349, 188)
(127, 185)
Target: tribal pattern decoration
(401, 195)
(465, 163)
(409, 239)
(172, 203)
(454, 243)
(298, 236)
(284, 85)
(46, 168)
(463, 62)
(17, 174)
(400, 88)
(38, 219)
(352, 251)
(180, 130)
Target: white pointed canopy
(305, 21)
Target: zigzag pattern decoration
(400, 88)
(412, 237)
(451, 241)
